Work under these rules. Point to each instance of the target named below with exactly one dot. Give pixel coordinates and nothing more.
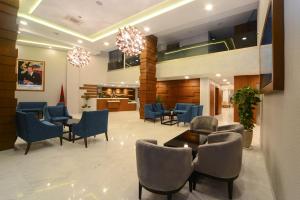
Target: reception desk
(115, 104)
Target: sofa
(92, 123)
(31, 129)
(220, 159)
(182, 107)
(163, 170)
(56, 113)
(32, 107)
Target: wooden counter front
(115, 104)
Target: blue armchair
(182, 107)
(150, 113)
(197, 111)
(30, 129)
(91, 124)
(57, 113)
(32, 107)
(186, 116)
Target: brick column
(8, 57)
(148, 73)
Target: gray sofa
(163, 170)
(204, 124)
(220, 158)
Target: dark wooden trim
(85, 142)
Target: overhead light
(122, 83)
(136, 81)
(23, 22)
(244, 38)
(186, 77)
(209, 7)
(218, 75)
(80, 41)
(106, 43)
(19, 32)
(50, 47)
(228, 82)
(224, 80)
(146, 29)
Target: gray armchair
(204, 124)
(238, 128)
(163, 170)
(220, 158)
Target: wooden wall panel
(8, 59)
(178, 91)
(243, 81)
(147, 92)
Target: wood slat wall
(178, 91)
(242, 81)
(8, 60)
(148, 73)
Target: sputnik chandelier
(78, 57)
(130, 41)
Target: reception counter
(115, 104)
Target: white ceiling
(183, 22)
(88, 17)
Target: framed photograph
(31, 75)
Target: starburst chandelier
(130, 40)
(78, 57)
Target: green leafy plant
(158, 99)
(246, 99)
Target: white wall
(261, 15)
(229, 63)
(94, 73)
(281, 116)
(205, 95)
(55, 75)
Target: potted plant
(246, 99)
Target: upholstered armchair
(220, 158)
(162, 170)
(197, 111)
(182, 107)
(92, 123)
(185, 117)
(56, 113)
(238, 128)
(32, 107)
(204, 124)
(150, 113)
(31, 129)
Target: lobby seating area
(149, 100)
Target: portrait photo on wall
(31, 75)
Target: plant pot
(247, 138)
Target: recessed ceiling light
(244, 38)
(186, 77)
(146, 29)
(19, 32)
(218, 75)
(136, 81)
(80, 41)
(106, 43)
(224, 80)
(228, 82)
(23, 22)
(122, 83)
(209, 7)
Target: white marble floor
(107, 170)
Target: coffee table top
(70, 122)
(188, 138)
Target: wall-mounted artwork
(31, 75)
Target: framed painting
(31, 75)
